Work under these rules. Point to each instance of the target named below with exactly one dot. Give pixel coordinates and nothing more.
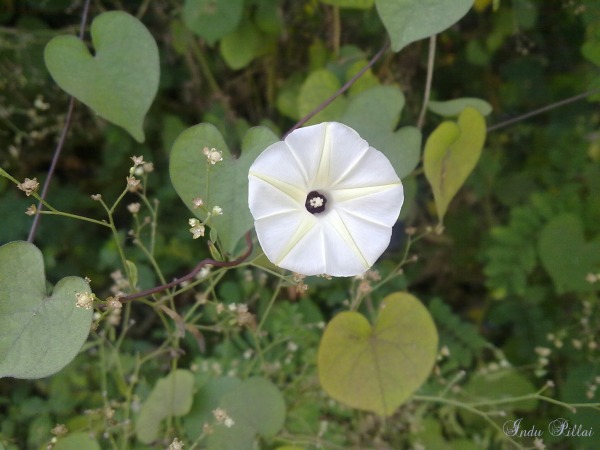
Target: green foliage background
(505, 283)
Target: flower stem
(430, 62)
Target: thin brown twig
(193, 273)
(61, 140)
(542, 110)
(341, 90)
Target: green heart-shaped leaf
(40, 333)
(318, 87)
(407, 21)
(121, 80)
(566, 256)
(171, 396)
(378, 368)
(257, 407)
(239, 48)
(212, 19)
(375, 113)
(451, 153)
(223, 184)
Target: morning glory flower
(324, 201)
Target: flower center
(315, 202)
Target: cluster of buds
(298, 279)
(121, 284)
(364, 287)
(197, 228)
(222, 417)
(243, 317)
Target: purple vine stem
(61, 140)
(341, 90)
(193, 273)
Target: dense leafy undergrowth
(478, 326)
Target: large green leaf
(375, 113)
(566, 256)
(318, 87)
(242, 46)
(171, 396)
(378, 368)
(77, 441)
(223, 184)
(121, 80)
(257, 407)
(206, 400)
(40, 332)
(407, 21)
(451, 153)
(212, 19)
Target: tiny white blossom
(228, 422)
(85, 300)
(133, 208)
(217, 211)
(29, 186)
(137, 160)
(197, 202)
(176, 445)
(213, 155)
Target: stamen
(315, 202)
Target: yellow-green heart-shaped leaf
(223, 184)
(40, 332)
(378, 368)
(451, 153)
(452, 108)
(120, 81)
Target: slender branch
(61, 140)
(341, 90)
(542, 110)
(193, 273)
(430, 61)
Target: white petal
(308, 256)
(371, 238)
(278, 162)
(347, 150)
(373, 169)
(380, 204)
(265, 199)
(306, 144)
(280, 234)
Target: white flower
(324, 201)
